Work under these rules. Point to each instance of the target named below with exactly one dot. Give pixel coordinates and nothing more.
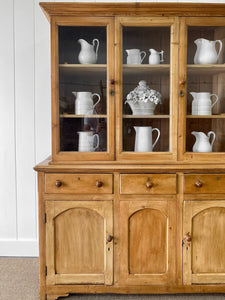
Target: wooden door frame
(70, 156)
(168, 208)
(173, 23)
(191, 209)
(53, 209)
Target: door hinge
(45, 218)
(46, 271)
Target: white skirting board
(28, 248)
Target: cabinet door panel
(76, 234)
(147, 240)
(204, 256)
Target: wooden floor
(19, 281)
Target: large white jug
(202, 104)
(143, 138)
(84, 104)
(135, 56)
(86, 141)
(88, 55)
(206, 51)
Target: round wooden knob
(187, 237)
(112, 81)
(198, 184)
(109, 238)
(182, 82)
(58, 183)
(99, 183)
(149, 184)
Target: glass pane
(146, 89)
(82, 88)
(205, 89)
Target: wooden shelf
(205, 69)
(222, 116)
(70, 69)
(146, 116)
(146, 68)
(82, 116)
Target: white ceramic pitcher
(155, 57)
(202, 103)
(202, 143)
(206, 51)
(143, 138)
(84, 104)
(88, 55)
(135, 56)
(86, 141)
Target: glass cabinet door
(84, 105)
(148, 49)
(202, 85)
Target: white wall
(25, 130)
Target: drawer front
(148, 184)
(204, 184)
(79, 183)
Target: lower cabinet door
(147, 240)
(204, 242)
(77, 250)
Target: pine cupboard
(126, 204)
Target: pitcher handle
(144, 54)
(221, 45)
(97, 137)
(215, 100)
(161, 53)
(157, 136)
(214, 136)
(99, 98)
(97, 45)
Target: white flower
(143, 93)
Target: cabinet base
(62, 290)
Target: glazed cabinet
(132, 199)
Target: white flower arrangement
(142, 93)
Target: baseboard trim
(27, 248)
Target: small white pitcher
(143, 138)
(88, 55)
(86, 141)
(135, 56)
(155, 57)
(84, 104)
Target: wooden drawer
(204, 184)
(79, 183)
(148, 184)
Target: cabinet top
(128, 9)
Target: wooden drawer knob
(58, 183)
(99, 183)
(149, 184)
(198, 184)
(109, 238)
(187, 237)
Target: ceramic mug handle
(221, 45)
(97, 137)
(161, 53)
(215, 100)
(97, 45)
(99, 98)
(214, 136)
(156, 129)
(144, 54)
